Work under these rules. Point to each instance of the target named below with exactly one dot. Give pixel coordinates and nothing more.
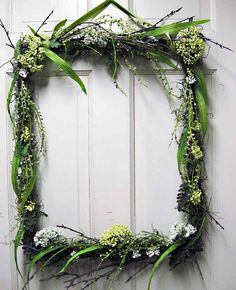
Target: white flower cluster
(190, 80)
(47, 236)
(93, 35)
(23, 73)
(153, 252)
(136, 254)
(181, 229)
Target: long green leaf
(65, 66)
(172, 28)
(59, 25)
(182, 148)
(201, 81)
(96, 11)
(160, 260)
(50, 258)
(202, 110)
(114, 70)
(14, 172)
(28, 190)
(91, 14)
(40, 255)
(17, 241)
(161, 56)
(129, 13)
(32, 30)
(9, 96)
(82, 252)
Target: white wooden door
(109, 159)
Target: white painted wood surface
(108, 158)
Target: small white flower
(157, 252)
(73, 253)
(190, 79)
(190, 230)
(19, 171)
(150, 253)
(23, 73)
(14, 62)
(153, 252)
(136, 255)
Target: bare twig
(44, 22)
(77, 232)
(198, 266)
(215, 220)
(216, 43)
(168, 16)
(5, 63)
(154, 26)
(10, 44)
(137, 272)
(186, 19)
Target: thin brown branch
(198, 266)
(215, 220)
(10, 44)
(168, 16)
(77, 232)
(45, 21)
(186, 19)
(216, 43)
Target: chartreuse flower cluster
(190, 45)
(31, 53)
(117, 234)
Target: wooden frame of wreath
(180, 44)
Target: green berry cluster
(31, 53)
(116, 235)
(190, 45)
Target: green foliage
(65, 66)
(202, 110)
(183, 196)
(172, 28)
(78, 254)
(166, 45)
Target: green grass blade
(32, 30)
(114, 67)
(14, 172)
(51, 257)
(129, 13)
(17, 241)
(160, 260)
(202, 111)
(91, 14)
(40, 255)
(172, 28)
(65, 66)
(9, 96)
(28, 190)
(201, 81)
(59, 25)
(82, 252)
(161, 56)
(182, 148)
